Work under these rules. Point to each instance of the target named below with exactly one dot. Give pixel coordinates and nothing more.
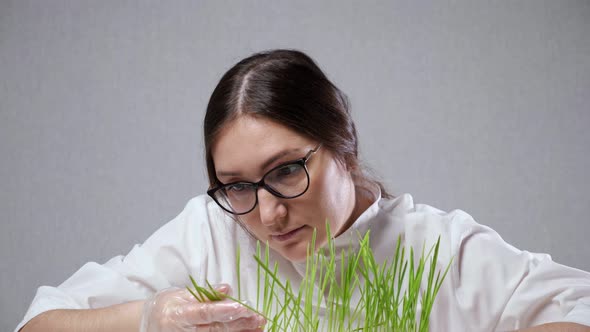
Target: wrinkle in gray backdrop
(472, 105)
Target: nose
(272, 211)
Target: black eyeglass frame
(256, 185)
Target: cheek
(332, 194)
(252, 223)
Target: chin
(296, 254)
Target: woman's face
(248, 147)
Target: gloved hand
(177, 310)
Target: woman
(282, 159)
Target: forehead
(245, 143)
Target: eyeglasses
(288, 180)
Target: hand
(177, 310)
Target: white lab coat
(491, 285)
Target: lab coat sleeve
(520, 289)
(165, 259)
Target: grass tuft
(359, 293)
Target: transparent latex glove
(177, 310)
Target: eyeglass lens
(288, 181)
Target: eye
(285, 173)
(287, 170)
(237, 187)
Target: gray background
(472, 105)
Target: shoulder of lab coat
(491, 285)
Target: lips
(286, 235)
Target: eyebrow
(265, 165)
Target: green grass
(382, 305)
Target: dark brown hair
(289, 88)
